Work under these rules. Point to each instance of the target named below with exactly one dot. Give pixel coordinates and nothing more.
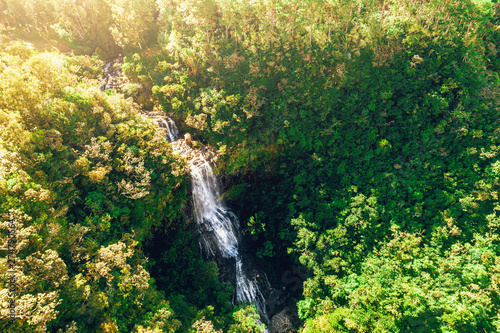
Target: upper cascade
(112, 74)
(169, 125)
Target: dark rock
(282, 322)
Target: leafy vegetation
(361, 139)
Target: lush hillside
(359, 140)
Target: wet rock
(282, 322)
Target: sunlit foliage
(360, 140)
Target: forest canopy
(359, 140)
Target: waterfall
(169, 125)
(112, 75)
(248, 290)
(217, 224)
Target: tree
(134, 22)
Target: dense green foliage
(85, 178)
(362, 138)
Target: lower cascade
(218, 226)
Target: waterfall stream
(217, 224)
(112, 75)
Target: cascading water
(169, 125)
(218, 225)
(112, 75)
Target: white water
(111, 76)
(248, 290)
(219, 226)
(169, 125)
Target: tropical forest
(254, 166)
